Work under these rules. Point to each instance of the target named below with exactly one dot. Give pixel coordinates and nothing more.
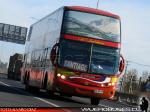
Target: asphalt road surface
(12, 94)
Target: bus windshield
(90, 58)
(91, 25)
(104, 60)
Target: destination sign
(75, 65)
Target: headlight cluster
(112, 82)
(61, 76)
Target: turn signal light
(114, 79)
(108, 84)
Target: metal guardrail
(127, 98)
(131, 89)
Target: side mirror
(53, 54)
(122, 64)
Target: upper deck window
(30, 32)
(91, 25)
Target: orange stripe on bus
(91, 40)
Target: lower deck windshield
(86, 57)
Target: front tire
(95, 101)
(50, 93)
(30, 88)
(65, 95)
(27, 86)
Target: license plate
(98, 91)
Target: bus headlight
(109, 84)
(58, 75)
(112, 83)
(102, 85)
(63, 77)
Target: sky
(135, 19)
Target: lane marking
(5, 84)
(47, 102)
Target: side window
(28, 60)
(33, 59)
(36, 58)
(44, 57)
(40, 58)
(30, 32)
(47, 61)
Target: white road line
(46, 101)
(5, 84)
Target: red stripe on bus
(92, 10)
(91, 40)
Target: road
(12, 94)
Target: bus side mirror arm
(53, 54)
(122, 65)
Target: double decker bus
(75, 51)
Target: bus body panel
(46, 32)
(43, 35)
(91, 10)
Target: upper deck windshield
(91, 25)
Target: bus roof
(92, 10)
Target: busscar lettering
(75, 65)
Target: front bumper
(87, 91)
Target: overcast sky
(135, 17)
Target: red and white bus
(75, 51)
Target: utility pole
(97, 4)
(34, 18)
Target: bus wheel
(25, 78)
(95, 101)
(31, 89)
(35, 89)
(69, 96)
(27, 86)
(50, 93)
(45, 81)
(8, 76)
(65, 95)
